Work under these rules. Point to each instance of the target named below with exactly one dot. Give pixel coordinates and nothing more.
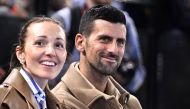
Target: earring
(22, 61)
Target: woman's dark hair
(104, 12)
(23, 34)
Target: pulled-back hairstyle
(104, 12)
(23, 34)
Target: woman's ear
(20, 54)
(80, 42)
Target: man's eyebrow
(105, 36)
(122, 39)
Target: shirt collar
(37, 91)
(32, 84)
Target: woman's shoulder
(5, 90)
(9, 96)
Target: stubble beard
(100, 67)
(103, 68)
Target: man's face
(104, 47)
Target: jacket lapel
(18, 82)
(124, 95)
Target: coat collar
(78, 84)
(52, 101)
(17, 81)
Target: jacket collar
(52, 101)
(78, 84)
(17, 81)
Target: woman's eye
(40, 43)
(59, 45)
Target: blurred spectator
(9, 27)
(5, 7)
(78, 3)
(173, 23)
(174, 73)
(131, 69)
(13, 14)
(55, 5)
(16, 8)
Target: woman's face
(44, 51)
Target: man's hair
(103, 12)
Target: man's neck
(95, 78)
(98, 80)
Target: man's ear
(20, 54)
(80, 42)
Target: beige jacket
(78, 93)
(16, 94)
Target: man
(88, 83)
(70, 18)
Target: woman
(39, 56)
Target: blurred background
(163, 28)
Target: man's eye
(105, 40)
(121, 42)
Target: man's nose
(113, 47)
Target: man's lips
(110, 59)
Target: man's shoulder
(130, 100)
(133, 103)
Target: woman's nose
(50, 50)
